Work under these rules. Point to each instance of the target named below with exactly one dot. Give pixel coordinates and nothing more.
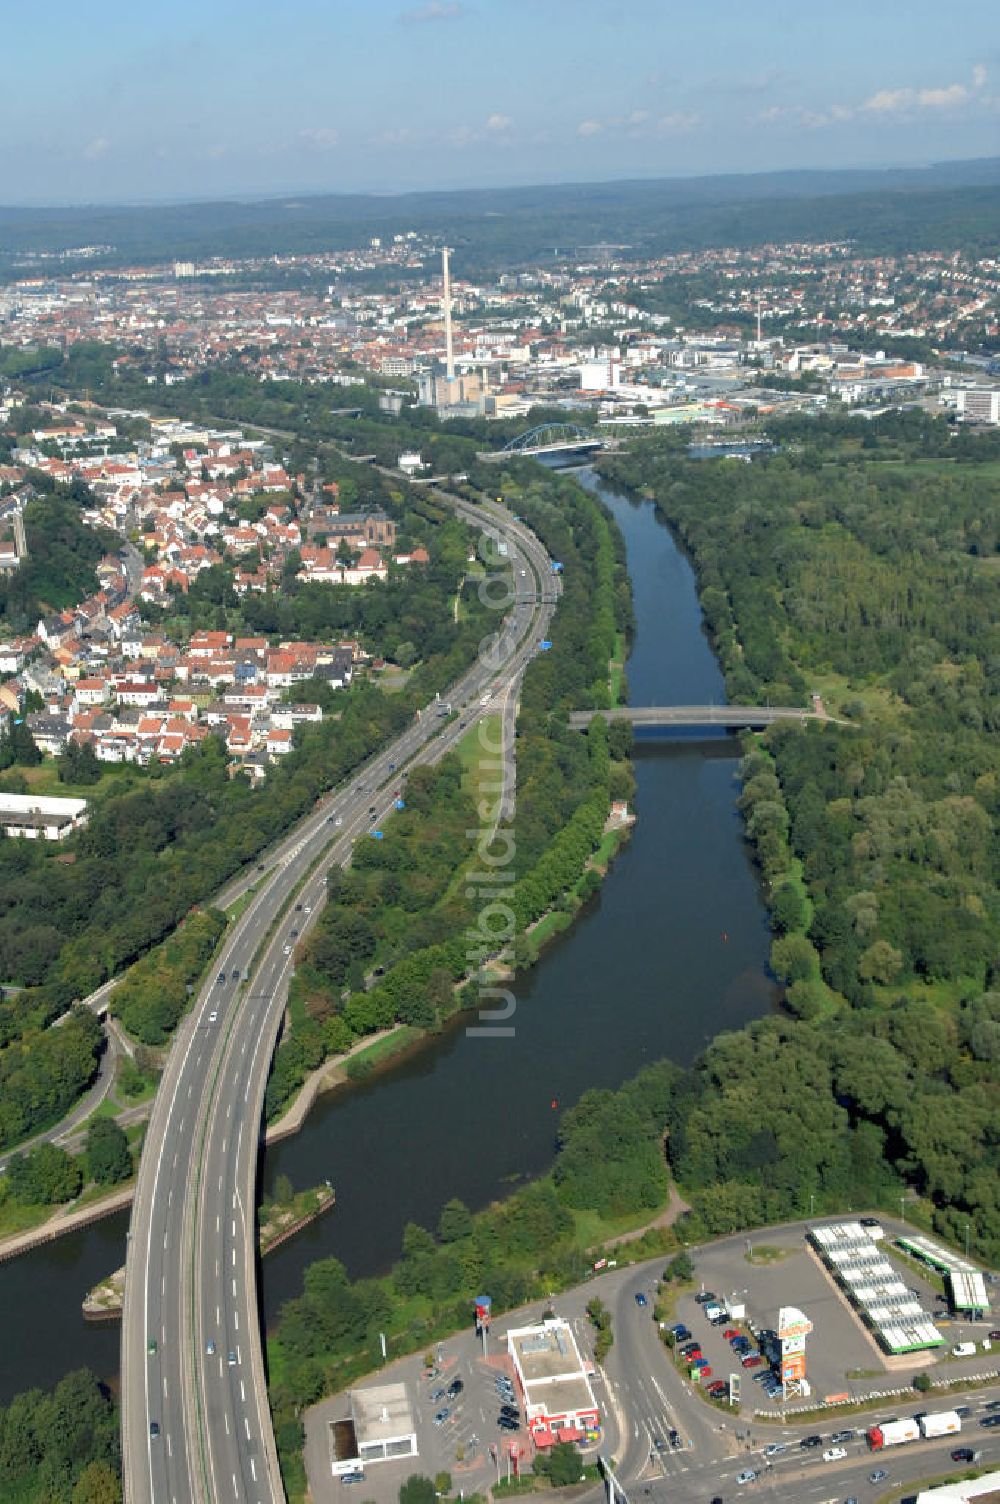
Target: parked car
(356, 1475)
(437, 1395)
(878, 1476)
(441, 1416)
(704, 1373)
(731, 1332)
(455, 1388)
(751, 1360)
(705, 1297)
(508, 1425)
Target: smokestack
(449, 353)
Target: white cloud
(979, 76)
(99, 146)
(889, 101)
(678, 121)
(499, 123)
(434, 10)
(589, 128)
(320, 138)
(943, 99)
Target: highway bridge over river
(729, 717)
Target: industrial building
(378, 1428)
(559, 1403)
(875, 1289)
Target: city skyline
(412, 95)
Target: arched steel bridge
(553, 438)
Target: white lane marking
(243, 1393)
(164, 1386)
(234, 1258)
(216, 1268)
(163, 1285)
(166, 1240)
(218, 1222)
(220, 1182)
(217, 1312)
(234, 1201)
(253, 1470)
(225, 1143)
(246, 1422)
(225, 1417)
(191, 1088)
(234, 1287)
(174, 1166)
(170, 1196)
(170, 1446)
(235, 1493)
(234, 1227)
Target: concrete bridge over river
(729, 717)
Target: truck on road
(893, 1432)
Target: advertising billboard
(793, 1368)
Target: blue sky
(115, 102)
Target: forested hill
(863, 563)
(952, 204)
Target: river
(671, 951)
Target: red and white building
(559, 1402)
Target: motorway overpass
(730, 717)
(196, 1425)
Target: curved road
(195, 1418)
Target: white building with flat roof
(378, 1428)
(559, 1403)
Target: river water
(673, 950)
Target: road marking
(216, 1268)
(253, 1470)
(170, 1447)
(234, 1258)
(174, 1166)
(225, 1142)
(235, 1493)
(163, 1285)
(164, 1386)
(218, 1221)
(236, 1320)
(234, 1227)
(225, 1417)
(170, 1196)
(243, 1393)
(181, 1127)
(191, 1088)
(217, 1309)
(234, 1287)
(246, 1422)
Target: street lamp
(902, 1208)
(812, 1203)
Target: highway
(195, 1418)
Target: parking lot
(782, 1273)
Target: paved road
(191, 1275)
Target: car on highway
(231, 1358)
(992, 1405)
(210, 1349)
(747, 1476)
(839, 1437)
(151, 1347)
(965, 1454)
(990, 1421)
(154, 1428)
(441, 1416)
(808, 1442)
(221, 979)
(213, 1017)
(640, 1299)
(834, 1454)
(775, 1448)
(878, 1476)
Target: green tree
(109, 1159)
(416, 1490)
(455, 1221)
(97, 1484)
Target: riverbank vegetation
(861, 561)
(400, 932)
(61, 1446)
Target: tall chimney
(449, 353)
